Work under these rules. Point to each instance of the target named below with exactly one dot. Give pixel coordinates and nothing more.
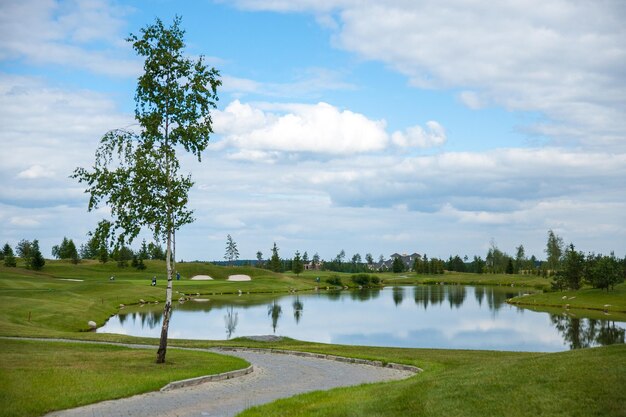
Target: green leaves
(137, 174)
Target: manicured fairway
(38, 377)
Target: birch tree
(137, 174)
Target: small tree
(297, 266)
(397, 265)
(9, 258)
(316, 260)
(509, 267)
(573, 264)
(554, 250)
(36, 258)
(275, 263)
(232, 254)
(259, 259)
(24, 251)
(604, 272)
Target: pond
(435, 316)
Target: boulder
(92, 324)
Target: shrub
(360, 279)
(334, 280)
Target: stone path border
(208, 378)
(391, 365)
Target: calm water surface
(435, 316)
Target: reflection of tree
(364, 294)
(333, 295)
(581, 333)
(456, 295)
(437, 294)
(493, 300)
(479, 292)
(230, 319)
(153, 318)
(122, 318)
(398, 295)
(421, 295)
(298, 307)
(274, 311)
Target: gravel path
(275, 376)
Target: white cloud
(50, 132)
(563, 59)
(320, 128)
(78, 33)
(416, 136)
(21, 221)
(35, 171)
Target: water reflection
(582, 333)
(298, 306)
(231, 319)
(456, 295)
(441, 316)
(274, 311)
(398, 295)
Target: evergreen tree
(36, 259)
(275, 263)
(520, 259)
(9, 258)
(397, 265)
(573, 264)
(232, 254)
(509, 267)
(297, 266)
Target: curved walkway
(275, 376)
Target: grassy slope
(55, 305)
(38, 377)
(591, 298)
(464, 383)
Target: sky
(369, 126)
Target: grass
(45, 303)
(454, 382)
(39, 377)
(471, 383)
(587, 298)
(411, 278)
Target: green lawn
(45, 304)
(588, 298)
(411, 278)
(583, 383)
(50, 302)
(39, 377)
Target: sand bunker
(201, 278)
(239, 278)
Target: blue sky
(369, 126)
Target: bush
(334, 280)
(365, 279)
